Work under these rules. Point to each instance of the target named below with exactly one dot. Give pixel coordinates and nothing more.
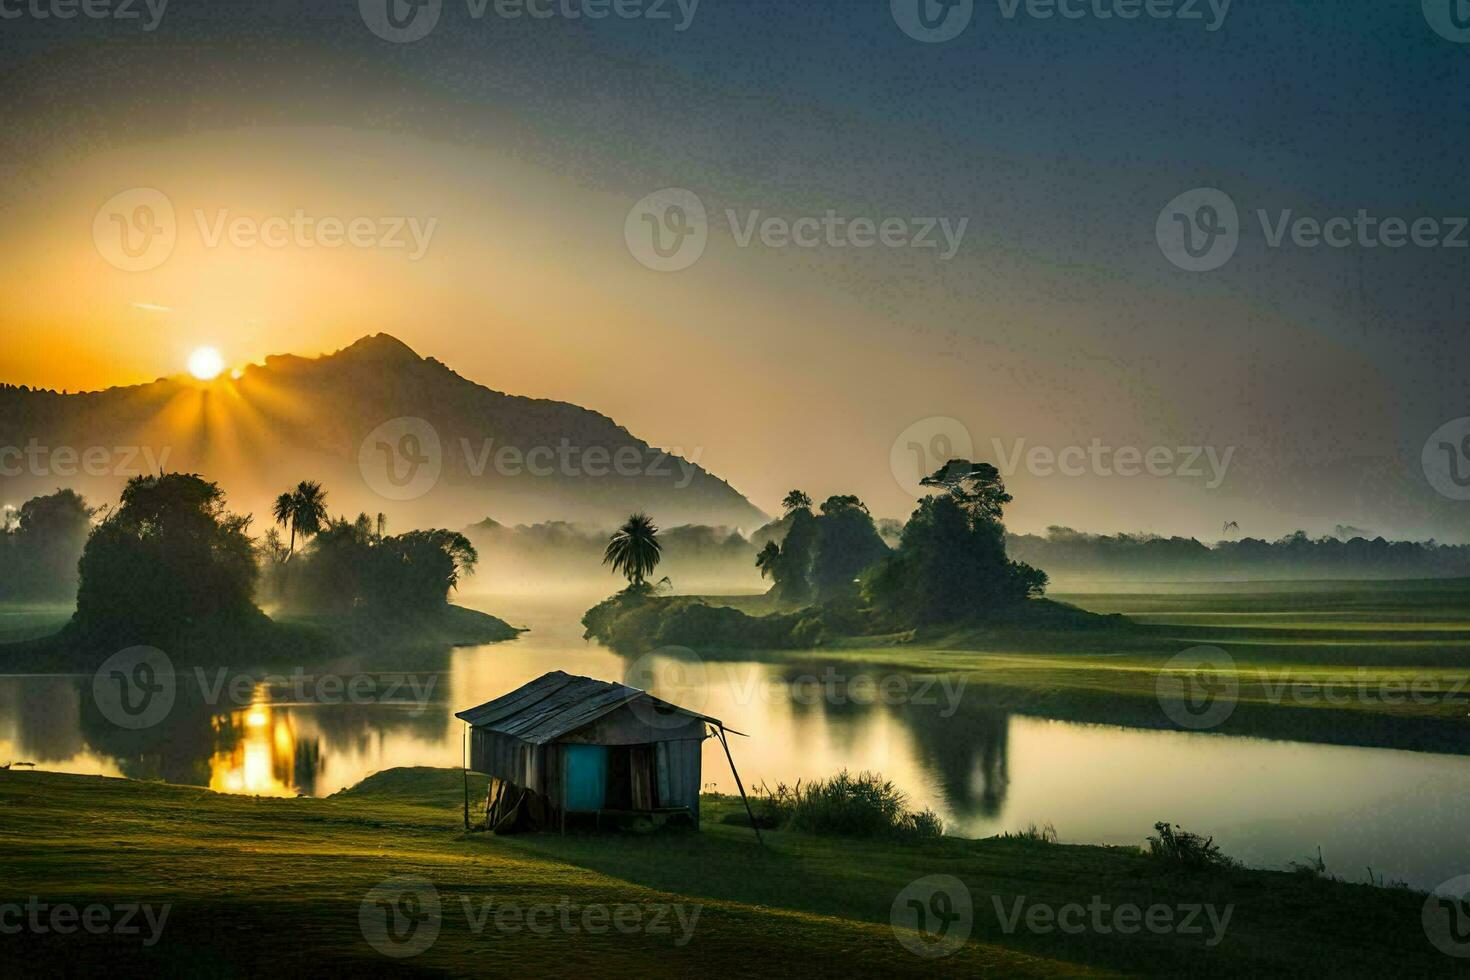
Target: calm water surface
(985, 771)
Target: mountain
(384, 429)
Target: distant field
(1359, 663)
(28, 621)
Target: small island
(172, 567)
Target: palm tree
(767, 559)
(796, 499)
(303, 510)
(634, 550)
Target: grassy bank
(34, 639)
(1347, 663)
(276, 885)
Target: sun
(206, 363)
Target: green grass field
(1384, 664)
(273, 885)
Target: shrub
(1046, 834)
(865, 805)
(1183, 850)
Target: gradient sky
(1058, 322)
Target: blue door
(584, 776)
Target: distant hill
(382, 427)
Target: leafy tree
(847, 543)
(303, 510)
(768, 559)
(951, 561)
(171, 559)
(634, 550)
(355, 564)
(796, 500)
(40, 544)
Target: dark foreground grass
(275, 886)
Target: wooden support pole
(465, 747)
(740, 786)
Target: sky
(1295, 384)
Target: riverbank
(38, 638)
(278, 885)
(1371, 664)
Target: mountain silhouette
(385, 430)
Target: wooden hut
(568, 746)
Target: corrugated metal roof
(557, 703)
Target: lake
(984, 770)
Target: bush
(1183, 850)
(1046, 834)
(865, 805)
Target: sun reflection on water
(255, 751)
